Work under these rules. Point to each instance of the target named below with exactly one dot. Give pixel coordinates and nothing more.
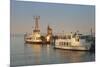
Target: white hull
(72, 48)
(33, 41)
(38, 41)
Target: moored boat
(73, 42)
(36, 37)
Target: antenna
(91, 31)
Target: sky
(60, 17)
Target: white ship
(73, 42)
(35, 36)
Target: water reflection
(33, 52)
(37, 52)
(45, 54)
(70, 56)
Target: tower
(36, 24)
(49, 30)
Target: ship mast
(36, 24)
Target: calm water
(35, 54)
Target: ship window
(66, 43)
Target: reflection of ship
(36, 37)
(73, 42)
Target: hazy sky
(61, 17)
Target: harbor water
(22, 54)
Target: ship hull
(72, 48)
(36, 42)
(33, 42)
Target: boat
(73, 42)
(36, 37)
(33, 38)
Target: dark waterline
(36, 54)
